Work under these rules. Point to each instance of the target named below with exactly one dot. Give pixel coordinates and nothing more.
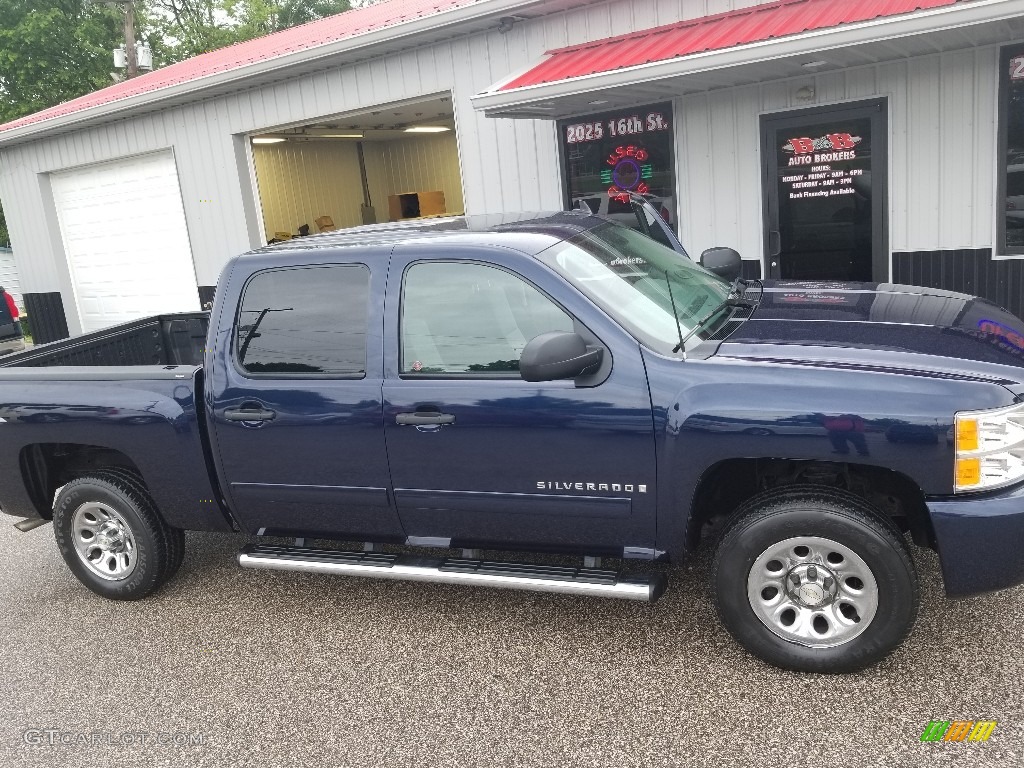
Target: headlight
(989, 448)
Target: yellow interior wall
(300, 181)
(414, 164)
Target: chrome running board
(453, 570)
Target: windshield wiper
(675, 313)
(728, 303)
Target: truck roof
(486, 229)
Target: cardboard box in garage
(411, 205)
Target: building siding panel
(968, 270)
(942, 150)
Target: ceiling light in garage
(340, 135)
(427, 129)
(267, 140)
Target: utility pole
(129, 40)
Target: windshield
(624, 272)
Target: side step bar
(453, 570)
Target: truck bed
(173, 339)
(144, 417)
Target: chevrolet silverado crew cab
(555, 385)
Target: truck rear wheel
(111, 537)
(815, 580)
(175, 536)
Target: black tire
(773, 517)
(111, 494)
(175, 537)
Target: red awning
(710, 33)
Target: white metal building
(873, 141)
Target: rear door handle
(249, 413)
(424, 417)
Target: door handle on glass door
(774, 242)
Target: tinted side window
(305, 321)
(471, 318)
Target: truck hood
(903, 328)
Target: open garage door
(398, 161)
(125, 239)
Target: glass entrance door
(826, 194)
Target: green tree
(291, 13)
(261, 17)
(190, 27)
(52, 51)
(186, 28)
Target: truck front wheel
(815, 580)
(111, 537)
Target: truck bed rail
(172, 339)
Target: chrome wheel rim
(104, 541)
(813, 591)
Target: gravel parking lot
(272, 668)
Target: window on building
(463, 318)
(609, 154)
(309, 321)
(1010, 205)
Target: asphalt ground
(280, 669)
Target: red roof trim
(724, 30)
(342, 26)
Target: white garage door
(125, 239)
(9, 276)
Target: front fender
(710, 411)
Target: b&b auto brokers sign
(827, 161)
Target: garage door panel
(126, 240)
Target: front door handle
(774, 243)
(420, 418)
(249, 413)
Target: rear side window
(305, 321)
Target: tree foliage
(189, 27)
(261, 17)
(52, 51)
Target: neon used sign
(627, 172)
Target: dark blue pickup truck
(556, 385)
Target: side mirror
(724, 262)
(557, 355)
